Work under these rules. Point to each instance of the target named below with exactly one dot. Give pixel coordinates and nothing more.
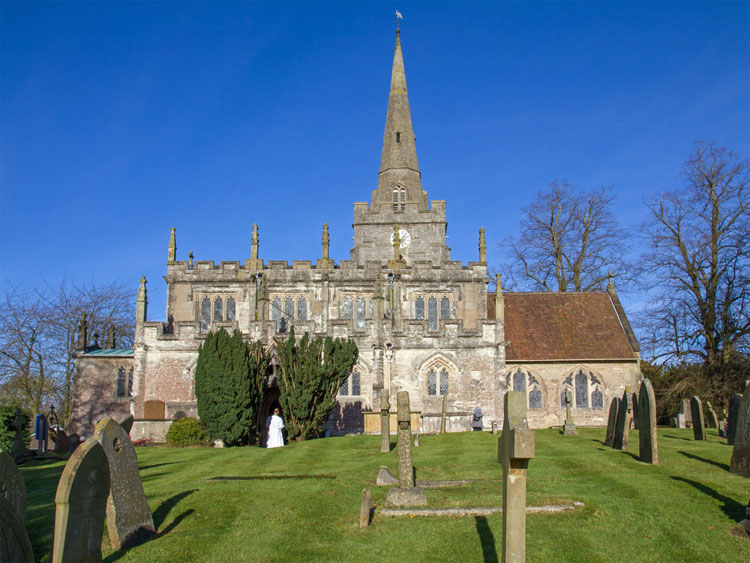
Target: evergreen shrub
(7, 431)
(187, 431)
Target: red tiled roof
(563, 326)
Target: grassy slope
(681, 509)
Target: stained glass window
(122, 384)
(218, 309)
(443, 381)
(344, 389)
(130, 383)
(519, 381)
(302, 309)
(205, 314)
(231, 308)
(419, 309)
(355, 383)
(597, 399)
(431, 384)
(361, 308)
(535, 398)
(445, 308)
(582, 390)
(432, 320)
(346, 308)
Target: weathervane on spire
(399, 17)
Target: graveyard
(302, 502)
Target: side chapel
(424, 323)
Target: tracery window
(356, 383)
(288, 310)
(521, 380)
(431, 382)
(344, 387)
(582, 390)
(419, 309)
(231, 308)
(585, 387)
(212, 310)
(432, 320)
(276, 312)
(438, 379)
(353, 383)
(218, 309)
(443, 381)
(346, 308)
(445, 309)
(361, 308)
(302, 309)
(205, 314)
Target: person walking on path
(476, 419)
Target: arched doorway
(270, 402)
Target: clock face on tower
(405, 237)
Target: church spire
(398, 164)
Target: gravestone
(712, 421)
(12, 487)
(622, 428)
(18, 450)
(696, 412)
(734, 411)
(406, 494)
(569, 429)
(515, 449)
(636, 407)
(681, 420)
(364, 509)
(687, 413)
(612, 422)
(647, 438)
(385, 423)
(416, 440)
(61, 441)
(129, 520)
(494, 427)
(15, 546)
(385, 477)
(673, 422)
(127, 423)
(80, 505)
(740, 463)
(74, 441)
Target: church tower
(399, 198)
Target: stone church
(423, 322)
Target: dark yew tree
(228, 386)
(310, 374)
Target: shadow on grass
(678, 438)
(160, 514)
(732, 508)
(489, 549)
(157, 465)
(635, 457)
(119, 554)
(600, 441)
(704, 460)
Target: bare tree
(699, 240)
(568, 241)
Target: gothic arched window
(535, 398)
(289, 309)
(432, 317)
(356, 380)
(597, 399)
(443, 381)
(519, 381)
(431, 383)
(346, 308)
(361, 309)
(302, 309)
(419, 309)
(122, 384)
(445, 308)
(231, 308)
(582, 390)
(205, 314)
(344, 388)
(218, 309)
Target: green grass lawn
(680, 510)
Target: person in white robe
(275, 425)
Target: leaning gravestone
(734, 411)
(406, 494)
(712, 421)
(15, 546)
(740, 462)
(696, 412)
(647, 439)
(80, 505)
(385, 423)
(622, 428)
(515, 449)
(129, 520)
(127, 423)
(612, 422)
(12, 487)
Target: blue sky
(120, 120)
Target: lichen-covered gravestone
(129, 520)
(515, 449)
(385, 423)
(647, 439)
(712, 421)
(127, 423)
(612, 421)
(12, 487)
(740, 463)
(696, 412)
(622, 428)
(80, 505)
(406, 494)
(734, 411)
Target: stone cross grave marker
(622, 428)
(129, 520)
(696, 412)
(385, 423)
(569, 428)
(612, 422)
(740, 463)
(80, 505)
(734, 411)
(406, 494)
(647, 438)
(515, 449)
(12, 487)
(18, 450)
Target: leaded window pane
(130, 383)
(519, 381)
(346, 308)
(597, 399)
(344, 389)
(231, 308)
(289, 309)
(205, 314)
(535, 398)
(432, 320)
(419, 309)
(445, 308)
(121, 382)
(361, 308)
(218, 309)
(582, 390)
(443, 381)
(355, 383)
(302, 309)
(275, 309)
(431, 384)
